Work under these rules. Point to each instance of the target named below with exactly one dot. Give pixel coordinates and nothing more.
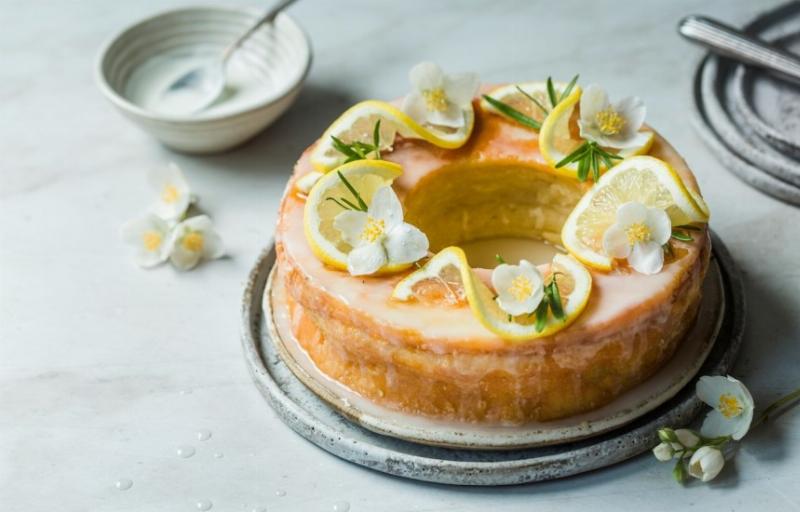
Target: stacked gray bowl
(750, 119)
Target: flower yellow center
(730, 406)
(521, 288)
(435, 99)
(638, 232)
(193, 242)
(170, 194)
(373, 230)
(609, 121)
(151, 240)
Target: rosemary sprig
(513, 113)
(552, 302)
(345, 203)
(526, 120)
(589, 156)
(499, 258)
(358, 150)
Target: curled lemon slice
(643, 179)
(366, 176)
(518, 97)
(358, 123)
(559, 136)
(447, 277)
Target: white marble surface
(105, 369)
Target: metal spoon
(730, 42)
(209, 79)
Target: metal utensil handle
(733, 43)
(269, 17)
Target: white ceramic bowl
(279, 54)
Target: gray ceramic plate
(303, 411)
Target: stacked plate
(750, 119)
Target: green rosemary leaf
(361, 204)
(555, 300)
(679, 471)
(595, 166)
(343, 148)
(583, 167)
(513, 113)
(499, 258)
(682, 236)
(575, 155)
(338, 202)
(568, 88)
(551, 92)
(350, 205)
(541, 315)
(376, 139)
(510, 318)
(534, 100)
(691, 227)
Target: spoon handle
(268, 17)
(730, 42)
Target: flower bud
(706, 463)
(663, 452)
(687, 438)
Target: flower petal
(503, 278)
(659, 224)
(633, 110)
(451, 117)
(140, 231)
(426, 75)
(414, 105)
(647, 257)
(593, 100)
(351, 224)
(366, 259)
(174, 195)
(213, 247)
(460, 88)
(405, 244)
(615, 242)
(706, 463)
(709, 390)
(386, 206)
(632, 212)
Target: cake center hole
(482, 253)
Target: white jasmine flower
(610, 125)
(519, 288)
(306, 182)
(192, 240)
(379, 236)
(638, 236)
(150, 236)
(437, 98)
(174, 195)
(732, 403)
(663, 452)
(687, 438)
(706, 463)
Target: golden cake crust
(441, 362)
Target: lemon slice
(511, 96)
(366, 176)
(447, 278)
(358, 123)
(559, 137)
(644, 179)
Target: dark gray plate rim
(470, 467)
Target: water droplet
(123, 484)
(280, 492)
(218, 455)
(341, 506)
(204, 505)
(185, 451)
(203, 435)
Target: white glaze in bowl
(278, 54)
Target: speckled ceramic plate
(313, 418)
